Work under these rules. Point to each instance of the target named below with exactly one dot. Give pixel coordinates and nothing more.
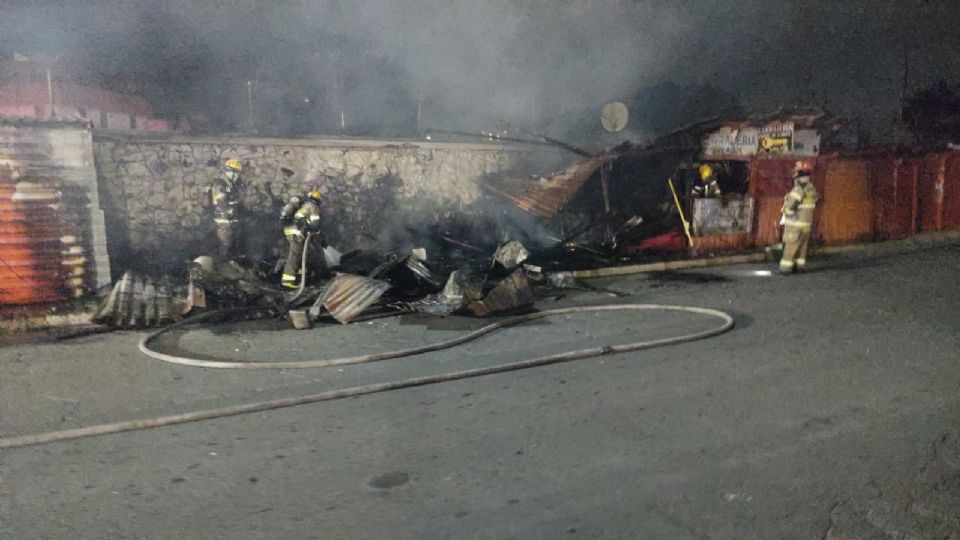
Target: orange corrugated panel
(31, 259)
(546, 197)
(845, 212)
(767, 229)
(905, 202)
(881, 174)
(951, 192)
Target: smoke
(387, 67)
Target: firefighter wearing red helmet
(797, 210)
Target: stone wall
(374, 191)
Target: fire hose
(234, 410)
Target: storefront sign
(773, 139)
(806, 142)
(776, 138)
(730, 143)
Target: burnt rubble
(491, 258)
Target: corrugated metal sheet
(546, 197)
(33, 251)
(722, 242)
(951, 192)
(771, 177)
(46, 208)
(767, 215)
(892, 187)
(347, 295)
(137, 301)
(915, 194)
(845, 211)
(928, 194)
(511, 293)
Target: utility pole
(419, 109)
(52, 112)
(906, 78)
(250, 126)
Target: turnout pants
(795, 241)
(291, 269)
(227, 238)
(316, 265)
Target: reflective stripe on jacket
(305, 219)
(799, 204)
(225, 197)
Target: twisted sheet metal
(348, 295)
(546, 197)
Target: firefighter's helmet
(233, 165)
(706, 171)
(315, 194)
(204, 263)
(803, 166)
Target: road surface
(830, 411)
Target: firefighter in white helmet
(797, 210)
(224, 198)
(300, 216)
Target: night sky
(471, 64)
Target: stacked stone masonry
(153, 190)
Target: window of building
(133, 122)
(82, 111)
(38, 111)
(103, 120)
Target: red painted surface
(671, 242)
(770, 177)
(882, 177)
(74, 95)
(767, 220)
(951, 192)
(32, 100)
(928, 205)
(722, 242)
(845, 211)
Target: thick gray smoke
(385, 67)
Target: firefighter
(224, 197)
(798, 206)
(707, 186)
(299, 216)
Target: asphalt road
(830, 411)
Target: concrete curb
(40, 322)
(921, 241)
(914, 242)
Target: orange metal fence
(915, 193)
(31, 259)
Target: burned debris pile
(363, 282)
(486, 259)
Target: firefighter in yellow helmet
(798, 207)
(707, 186)
(224, 198)
(301, 215)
